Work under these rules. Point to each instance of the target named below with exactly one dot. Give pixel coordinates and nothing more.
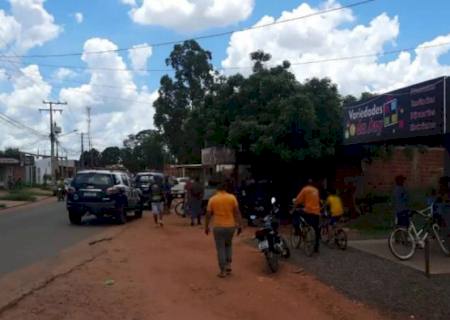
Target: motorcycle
(60, 192)
(270, 242)
(256, 209)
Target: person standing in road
(187, 197)
(195, 205)
(168, 193)
(224, 209)
(309, 198)
(157, 200)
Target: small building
(15, 170)
(10, 171)
(184, 170)
(64, 169)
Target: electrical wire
(208, 36)
(298, 63)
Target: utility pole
(91, 156)
(82, 142)
(82, 160)
(52, 133)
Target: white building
(65, 169)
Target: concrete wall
(42, 168)
(421, 167)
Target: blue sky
(369, 28)
(419, 22)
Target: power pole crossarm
(51, 110)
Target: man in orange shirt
(224, 209)
(309, 198)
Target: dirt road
(170, 273)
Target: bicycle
(330, 233)
(404, 240)
(180, 208)
(303, 234)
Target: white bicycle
(404, 240)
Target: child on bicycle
(334, 206)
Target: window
(93, 179)
(145, 179)
(125, 180)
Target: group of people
(439, 197)
(224, 216)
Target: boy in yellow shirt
(334, 205)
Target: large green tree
(110, 156)
(271, 114)
(143, 151)
(181, 98)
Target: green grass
(381, 220)
(19, 195)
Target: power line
(294, 64)
(20, 125)
(299, 63)
(208, 36)
(53, 139)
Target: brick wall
(422, 169)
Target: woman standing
(223, 208)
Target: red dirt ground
(170, 273)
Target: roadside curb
(2, 210)
(25, 282)
(43, 283)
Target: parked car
(178, 189)
(144, 181)
(103, 192)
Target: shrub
(19, 195)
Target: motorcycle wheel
(272, 261)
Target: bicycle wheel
(308, 239)
(402, 244)
(325, 233)
(295, 238)
(443, 238)
(179, 208)
(340, 238)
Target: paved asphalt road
(29, 235)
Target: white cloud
(129, 2)
(329, 36)
(119, 107)
(190, 15)
(9, 30)
(79, 17)
(36, 24)
(139, 56)
(25, 26)
(28, 90)
(63, 73)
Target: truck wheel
(75, 217)
(121, 215)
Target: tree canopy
(267, 113)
